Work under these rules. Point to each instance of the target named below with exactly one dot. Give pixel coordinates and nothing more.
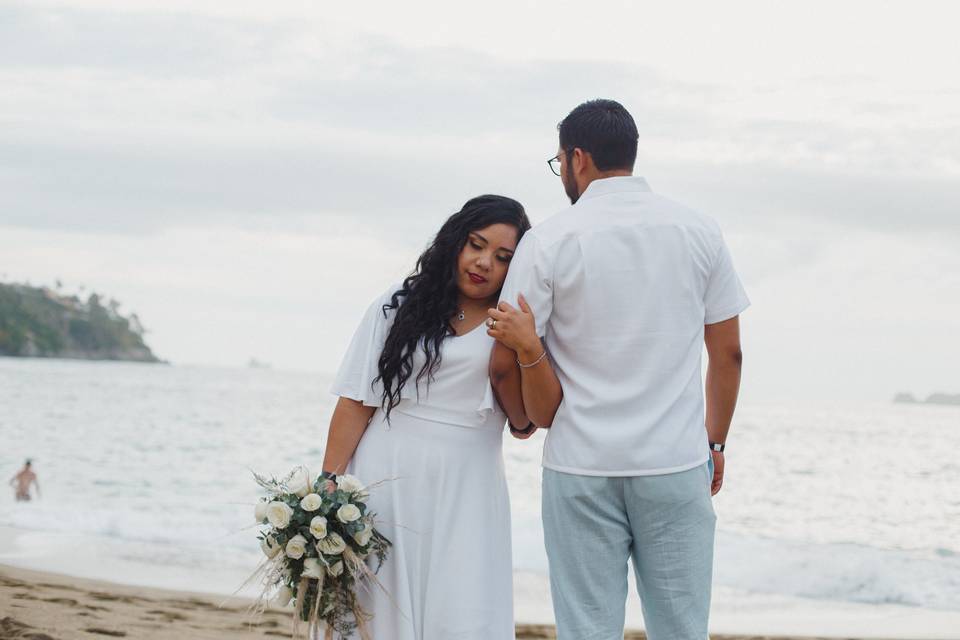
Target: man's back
(622, 284)
(22, 482)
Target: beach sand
(43, 606)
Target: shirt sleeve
(358, 370)
(725, 296)
(531, 274)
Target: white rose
(348, 513)
(299, 482)
(363, 537)
(283, 597)
(296, 547)
(335, 569)
(312, 569)
(260, 511)
(279, 514)
(311, 502)
(318, 527)
(349, 484)
(270, 547)
(332, 545)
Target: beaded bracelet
(530, 428)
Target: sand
(42, 606)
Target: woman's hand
(515, 328)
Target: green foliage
(41, 322)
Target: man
(625, 287)
(22, 481)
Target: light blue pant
(592, 525)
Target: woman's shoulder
(384, 304)
(383, 300)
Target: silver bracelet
(534, 363)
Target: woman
(416, 408)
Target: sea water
(146, 471)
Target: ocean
(145, 472)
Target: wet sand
(43, 606)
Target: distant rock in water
(905, 398)
(257, 364)
(934, 398)
(944, 398)
(38, 322)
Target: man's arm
(529, 274)
(725, 360)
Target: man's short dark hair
(604, 129)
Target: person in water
(22, 482)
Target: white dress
(445, 507)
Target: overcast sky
(246, 179)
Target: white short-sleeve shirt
(622, 284)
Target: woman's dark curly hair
(429, 298)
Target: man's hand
(717, 472)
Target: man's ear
(581, 161)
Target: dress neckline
(474, 330)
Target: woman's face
(482, 265)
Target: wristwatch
(717, 446)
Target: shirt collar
(616, 184)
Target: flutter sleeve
(358, 370)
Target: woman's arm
(347, 425)
(540, 387)
(506, 382)
(542, 393)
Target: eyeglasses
(554, 164)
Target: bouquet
(317, 541)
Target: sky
(248, 179)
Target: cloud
(766, 194)
(140, 121)
(144, 42)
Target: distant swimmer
(22, 481)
